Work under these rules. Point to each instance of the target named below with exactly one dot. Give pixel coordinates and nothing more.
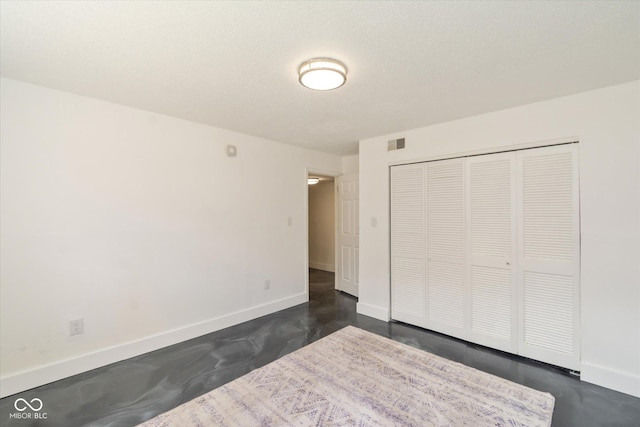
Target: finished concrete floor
(134, 390)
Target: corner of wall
(623, 382)
(350, 164)
(380, 313)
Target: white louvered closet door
(445, 241)
(491, 236)
(548, 255)
(408, 256)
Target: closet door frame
(517, 261)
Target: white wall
(321, 226)
(350, 164)
(607, 124)
(140, 224)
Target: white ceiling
(234, 64)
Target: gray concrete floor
(132, 391)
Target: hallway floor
(134, 390)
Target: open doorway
(322, 223)
(322, 230)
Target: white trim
(316, 171)
(624, 382)
(380, 313)
(490, 150)
(322, 266)
(25, 380)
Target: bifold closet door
(428, 245)
(408, 254)
(491, 236)
(549, 255)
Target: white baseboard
(376, 312)
(25, 380)
(322, 266)
(623, 382)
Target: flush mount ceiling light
(313, 181)
(322, 74)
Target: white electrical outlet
(76, 326)
(267, 284)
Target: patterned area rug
(356, 378)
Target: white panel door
(549, 255)
(348, 206)
(408, 254)
(445, 244)
(491, 236)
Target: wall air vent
(395, 144)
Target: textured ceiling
(233, 64)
